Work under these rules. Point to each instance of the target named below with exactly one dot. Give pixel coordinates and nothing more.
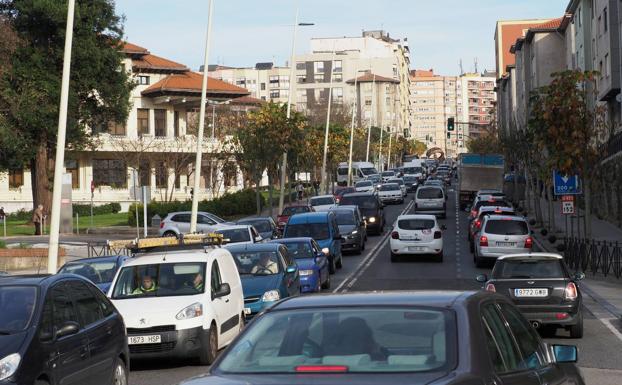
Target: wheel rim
(119, 375)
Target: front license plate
(506, 244)
(415, 248)
(531, 292)
(140, 340)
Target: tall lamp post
(371, 116)
(356, 74)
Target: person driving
(265, 265)
(147, 285)
(197, 283)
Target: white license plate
(416, 248)
(140, 340)
(506, 244)
(531, 292)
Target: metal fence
(102, 249)
(604, 257)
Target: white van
(360, 171)
(182, 303)
(416, 167)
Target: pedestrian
(316, 186)
(37, 219)
(300, 190)
(2, 214)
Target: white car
(416, 234)
(364, 186)
(400, 181)
(390, 192)
(323, 202)
(239, 234)
(501, 235)
(386, 175)
(182, 303)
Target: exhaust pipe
(535, 324)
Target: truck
(478, 172)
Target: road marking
(351, 279)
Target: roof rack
(184, 242)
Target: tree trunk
(270, 189)
(588, 208)
(257, 196)
(39, 169)
(552, 225)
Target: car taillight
(483, 241)
(438, 235)
(571, 291)
(490, 287)
(161, 225)
(395, 235)
(478, 224)
(528, 243)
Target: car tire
(119, 374)
(394, 257)
(339, 263)
(209, 350)
(326, 285)
(331, 267)
(439, 257)
(170, 234)
(576, 330)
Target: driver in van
(147, 285)
(265, 265)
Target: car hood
(346, 229)
(256, 285)
(146, 312)
(12, 343)
(306, 263)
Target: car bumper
(374, 227)
(549, 314)
(351, 243)
(310, 283)
(431, 210)
(175, 344)
(392, 198)
(416, 248)
(488, 252)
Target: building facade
(264, 81)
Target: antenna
(476, 71)
(461, 68)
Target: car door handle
(226, 300)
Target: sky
(244, 32)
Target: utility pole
(330, 97)
(371, 116)
(354, 107)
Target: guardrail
(593, 256)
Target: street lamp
(292, 81)
(371, 116)
(352, 124)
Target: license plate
(416, 248)
(506, 244)
(139, 340)
(531, 292)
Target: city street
(599, 349)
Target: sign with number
(568, 207)
(566, 185)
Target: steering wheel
(263, 269)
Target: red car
(281, 220)
(342, 191)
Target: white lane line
(609, 325)
(351, 279)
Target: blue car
(99, 270)
(312, 263)
(268, 274)
(323, 228)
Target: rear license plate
(506, 244)
(140, 340)
(531, 292)
(416, 248)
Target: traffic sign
(568, 207)
(566, 185)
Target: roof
(554, 25)
(247, 100)
(174, 256)
(417, 216)
(369, 77)
(253, 219)
(266, 246)
(231, 227)
(191, 82)
(531, 256)
(133, 49)
(308, 217)
(291, 240)
(155, 63)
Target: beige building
(476, 103)
(264, 81)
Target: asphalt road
(600, 349)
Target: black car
(396, 338)
(371, 208)
(352, 228)
(60, 329)
(264, 225)
(542, 288)
(411, 182)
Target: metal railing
(604, 257)
(102, 249)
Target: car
(431, 200)
(288, 211)
(401, 183)
(268, 273)
(370, 207)
(411, 182)
(488, 193)
(322, 202)
(240, 234)
(312, 263)
(179, 302)
(99, 270)
(391, 192)
(342, 191)
(475, 225)
(323, 228)
(542, 287)
(265, 226)
(437, 183)
(501, 235)
(441, 338)
(352, 228)
(178, 223)
(386, 175)
(416, 235)
(60, 329)
(489, 201)
(444, 175)
(364, 186)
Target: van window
(506, 227)
(216, 278)
(363, 202)
(160, 280)
(342, 171)
(430, 193)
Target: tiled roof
(153, 62)
(191, 82)
(552, 24)
(247, 100)
(134, 49)
(369, 77)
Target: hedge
(80, 209)
(229, 205)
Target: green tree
(99, 87)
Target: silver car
(501, 235)
(431, 200)
(399, 181)
(179, 223)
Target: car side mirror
(68, 328)
(579, 276)
(565, 353)
(222, 291)
(258, 238)
(481, 278)
(443, 227)
(291, 269)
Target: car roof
(390, 184)
(232, 227)
(25, 279)
(107, 258)
(505, 218)
(417, 216)
(243, 220)
(532, 256)
(323, 196)
(290, 240)
(430, 187)
(344, 208)
(306, 217)
(253, 247)
(360, 194)
(173, 256)
(364, 181)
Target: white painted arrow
(565, 179)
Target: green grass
(105, 220)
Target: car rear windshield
(366, 183)
(524, 268)
(355, 340)
(322, 201)
(495, 203)
(317, 231)
(363, 202)
(388, 173)
(506, 227)
(17, 304)
(160, 280)
(97, 272)
(390, 187)
(413, 170)
(345, 217)
(398, 181)
(256, 262)
(430, 193)
(415, 224)
(235, 235)
(289, 211)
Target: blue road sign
(566, 185)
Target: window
(115, 128)
(263, 86)
(73, 168)
(526, 338)
(275, 94)
(338, 95)
(142, 123)
(160, 122)
(368, 102)
(301, 79)
(284, 81)
(319, 67)
(216, 279)
(144, 173)
(605, 18)
(338, 78)
(337, 66)
(143, 80)
(160, 279)
(274, 81)
(300, 65)
(109, 172)
(104, 303)
(161, 172)
(63, 310)
(606, 66)
(86, 303)
(500, 343)
(16, 178)
(176, 124)
(318, 78)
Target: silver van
(431, 200)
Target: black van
(371, 208)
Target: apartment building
(478, 99)
(265, 81)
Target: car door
(182, 221)
(225, 314)
(205, 223)
(321, 259)
(102, 345)
(292, 280)
(507, 361)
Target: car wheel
(169, 234)
(394, 257)
(576, 330)
(326, 285)
(119, 376)
(332, 268)
(209, 350)
(339, 263)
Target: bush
(229, 205)
(21, 215)
(2, 244)
(85, 210)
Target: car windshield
(96, 272)
(256, 262)
(322, 201)
(369, 171)
(358, 340)
(160, 280)
(17, 304)
(289, 211)
(363, 202)
(430, 193)
(415, 224)
(390, 187)
(345, 217)
(525, 268)
(398, 181)
(388, 173)
(261, 225)
(317, 231)
(342, 171)
(366, 183)
(413, 170)
(299, 249)
(506, 227)
(235, 235)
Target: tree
(30, 88)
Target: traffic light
(448, 135)
(450, 124)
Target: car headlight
(192, 311)
(306, 272)
(272, 295)
(354, 232)
(326, 251)
(9, 365)
(372, 219)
